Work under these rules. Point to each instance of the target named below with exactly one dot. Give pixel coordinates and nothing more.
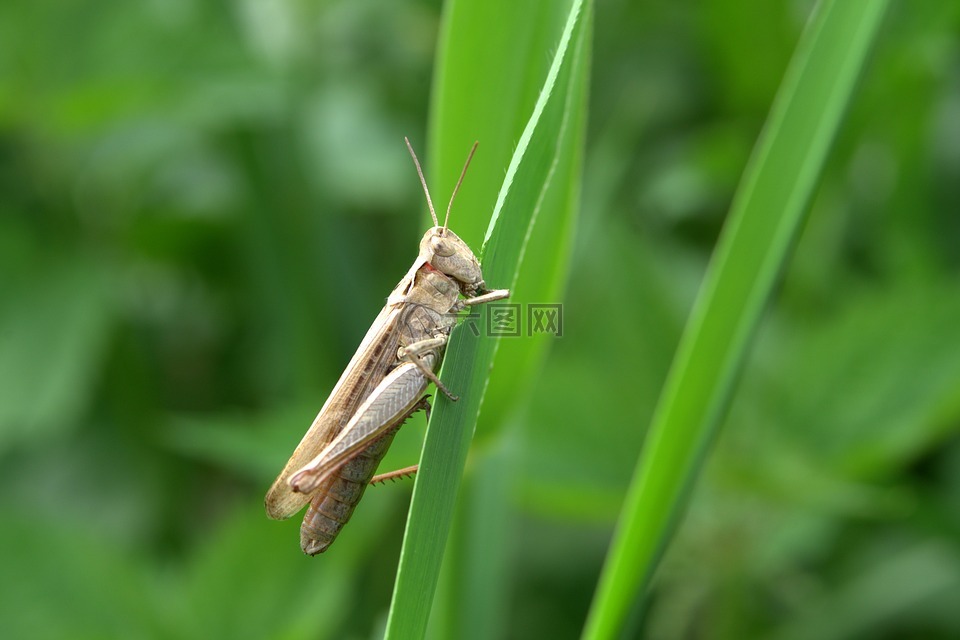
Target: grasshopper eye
(441, 247)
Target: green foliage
(550, 139)
(764, 221)
(203, 206)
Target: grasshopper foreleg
(489, 296)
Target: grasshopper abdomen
(331, 509)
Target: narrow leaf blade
(765, 217)
(470, 356)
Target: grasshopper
(383, 384)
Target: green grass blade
(765, 217)
(490, 70)
(542, 148)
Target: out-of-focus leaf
(53, 330)
(865, 402)
(62, 580)
(885, 585)
(224, 587)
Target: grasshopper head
(450, 255)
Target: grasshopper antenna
(416, 162)
(473, 150)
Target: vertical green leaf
(549, 144)
(766, 214)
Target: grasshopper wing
(386, 408)
(376, 353)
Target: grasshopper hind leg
(329, 510)
(410, 471)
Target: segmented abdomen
(331, 509)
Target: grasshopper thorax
(450, 255)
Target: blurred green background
(203, 206)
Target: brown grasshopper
(383, 384)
